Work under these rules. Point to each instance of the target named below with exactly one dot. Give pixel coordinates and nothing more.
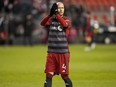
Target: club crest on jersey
(59, 28)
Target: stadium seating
(97, 5)
(101, 7)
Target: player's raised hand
(54, 9)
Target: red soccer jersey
(58, 31)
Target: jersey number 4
(63, 68)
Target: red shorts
(57, 63)
(89, 34)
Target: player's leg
(67, 80)
(88, 40)
(48, 81)
(49, 70)
(64, 68)
(93, 44)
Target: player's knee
(64, 76)
(50, 74)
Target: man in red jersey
(57, 61)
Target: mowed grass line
(23, 66)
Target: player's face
(61, 9)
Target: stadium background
(23, 66)
(21, 19)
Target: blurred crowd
(19, 21)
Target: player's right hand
(53, 9)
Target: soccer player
(89, 33)
(57, 61)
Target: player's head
(60, 8)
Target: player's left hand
(55, 8)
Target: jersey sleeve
(65, 22)
(68, 27)
(62, 21)
(46, 21)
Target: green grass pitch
(23, 66)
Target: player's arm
(65, 23)
(46, 21)
(62, 21)
(68, 28)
